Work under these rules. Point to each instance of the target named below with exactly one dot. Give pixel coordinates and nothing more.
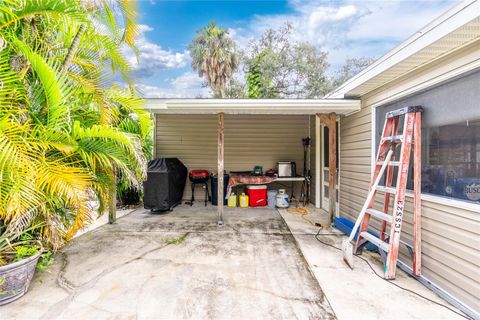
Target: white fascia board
(252, 106)
(448, 22)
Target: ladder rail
(399, 202)
(388, 183)
(370, 196)
(388, 127)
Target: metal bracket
(403, 111)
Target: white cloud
(187, 85)
(152, 58)
(241, 36)
(349, 28)
(142, 28)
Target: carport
(323, 112)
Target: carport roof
(252, 106)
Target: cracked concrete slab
(179, 265)
(359, 293)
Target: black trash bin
(163, 189)
(214, 187)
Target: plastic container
(243, 199)
(232, 201)
(282, 199)
(214, 186)
(271, 198)
(257, 195)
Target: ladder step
(406, 244)
(393, 138)
(391, 163)
(372, 239)
(386, 189)
(380, 215)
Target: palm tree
(213, 56)
(66, 135)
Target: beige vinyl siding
(450, 233)
(249, 140)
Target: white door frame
(322, 185)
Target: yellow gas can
(232, 200)
(243, 199)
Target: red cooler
(257, 196)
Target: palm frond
(54, 84)
(17, 191)
(13, 96)
(130, 14)
(66, 11)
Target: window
(451, 160)
(450, 137)
(326, 145)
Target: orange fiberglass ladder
(389, 246)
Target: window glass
(450, 137)
(451, 160)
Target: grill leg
(193, 194)
(206, 193)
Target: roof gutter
(252, 106)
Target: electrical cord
(378, 275)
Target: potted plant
(19, 256)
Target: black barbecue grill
(163, 189)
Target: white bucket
(272, 198)
(282, 199)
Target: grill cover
(163, 189)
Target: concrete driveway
(179, 265)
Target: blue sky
(346, 29)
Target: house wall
(450, 229)
(249, 140)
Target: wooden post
(112, 206)
(220, 195)
(330, 121)
(417, 202)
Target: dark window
(451, 160)
(450, 137)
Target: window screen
(450, 137)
